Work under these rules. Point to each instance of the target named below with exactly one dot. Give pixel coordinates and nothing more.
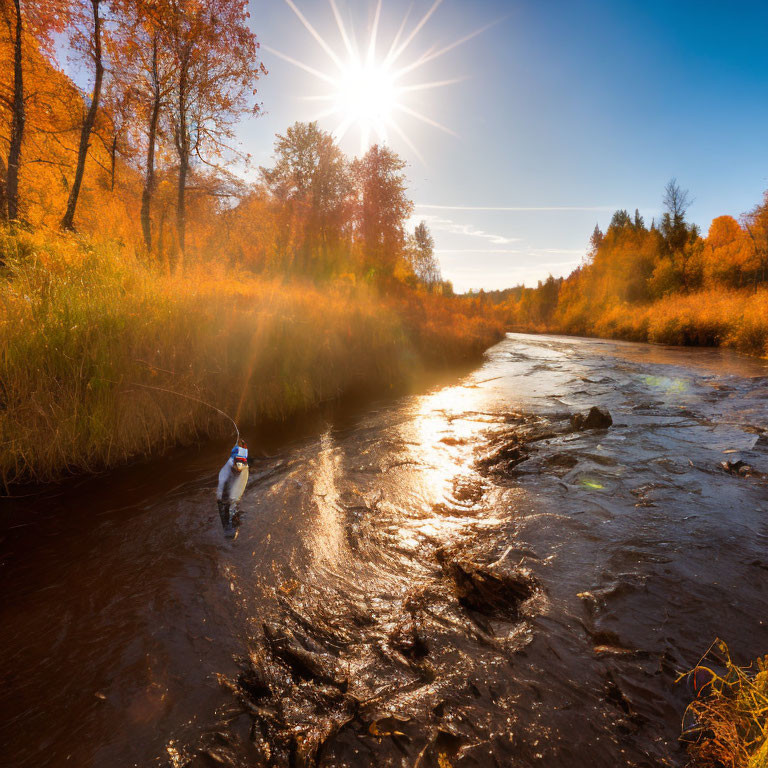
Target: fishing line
(188, 397)
(196, 400)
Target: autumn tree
(728, 254)
(756, 224)
(547, 295)
(86, 38)
(311, 177)
(422, 256)
(38, 20)
(142, 74)
(119, 100)
(382, 206)
(679, 238)
(595, 240)
(673, 227)
(215, 70)
(620, 220)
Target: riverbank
(104, 359)
(733, 319)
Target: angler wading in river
(233, 477)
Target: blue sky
(565, 111)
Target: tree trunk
(11, 209)
(3, 179)
(182, 147)
(67, 221)
(113, 163)
(181, 212)
(149, 178)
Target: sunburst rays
(369, 91)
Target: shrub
(726, 725)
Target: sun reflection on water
(441, 439)
(443, 432)
(329, 535)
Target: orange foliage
(728, 254)
(639, 284)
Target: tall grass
(89, 338)
(726, 725)
(737, 319)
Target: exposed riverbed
(449, 578)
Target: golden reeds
(726, 725)
(84, 326)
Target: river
(452, 577)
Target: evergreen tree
(595, 241)
(620, 220)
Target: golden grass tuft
(726, 725)
(86, 330)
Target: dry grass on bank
(736, 319)
(727, 724)
(83, 326)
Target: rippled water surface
(451, 578)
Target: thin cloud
(440, 224)
(475, 250)
(430, 207)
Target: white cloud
(441, 224)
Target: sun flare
(368, 89)
(366, 97)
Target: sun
(366, 97)
(367, 90)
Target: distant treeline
(661, 282)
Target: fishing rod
(189, 397)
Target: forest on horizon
(660, 282)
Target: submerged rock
(507, 456)
(304, 663)
(561, 461)
(738, 468)
(487, 589)
(597, 418)
(407, 638)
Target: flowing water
(450, 578)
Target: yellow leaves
(289, 586)
(387, 726)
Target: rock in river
(597, 418)
(486, 589)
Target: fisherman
(233, 478)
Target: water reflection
(328, 537)
(440, 439)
